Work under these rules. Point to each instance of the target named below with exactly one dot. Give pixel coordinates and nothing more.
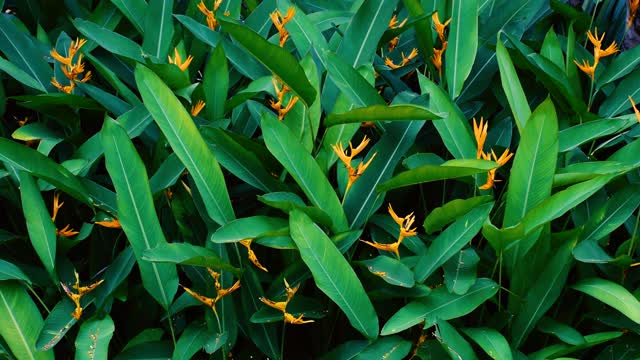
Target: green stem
(39, 299)
(284, 326)
(173, 334)
(590, 97)
(633, 236)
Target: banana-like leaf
(158, 28)
(111, 41)
(463, 44)
(382, 113)
(92, 341)
(512, 87)
(612, 294)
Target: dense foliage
(358, 179)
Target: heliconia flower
(64, 88)
(440, 27)
(288, 318)
(70, 70)
(593, 37)
(195, 109)
(598, 53)
(177, 60)
(67, 231)
(354, 173)
(436, 58)
(634, 109)
(405, 230)
(393, 43)
(633, 9)
(212, 22)
(279, 21)
(480, 133)
(282, 306)
(252, 255)
(503, 159)
(612, 49)
(75, 297)
(113, 224)
(405, 59)
(278, 305)
(393, 23)
(220, 292)
(586, 68)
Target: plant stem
(590, 96)
(284, 326)
(173, 334)
(39, 299)
(633, 236)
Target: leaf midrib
(17, 326)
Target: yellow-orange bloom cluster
(436, 58)
(405, 224)
(282, 306)
(212, 22)
(195, 109)
(634, 109)
(113, 223)
(67, 230)
(71, 71)
(177, 60)
(633, 10)
(252, 255)
(82, 290)
(598, 53)
(405, 59)
(393, 24)
(220, 292)
(354, 173)
(279, 21)
(480, 133)
(281, 89)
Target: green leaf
(248, 228)
(618, 100)
(158, 28)
(382, 113)
(185, 140)
(111, 41)
(577, 135)
(134, 11)
(390, 270)
(276, 59)
(57, 324)
(33, 162)
(350, 82)
(21, 322)
(491, 341)
(15, 72)
(303, 168)
(388, 348)
(451, 241)
(9, 271)
(542, 293)
(460, 271)
(463, 44)
(440, 304)
(92, 341)
(53, 99)
(333, 275)
(440, 217)
(186, 254)
(612, 214)
(42, 231)
(532, 172)
(512, 87)
(215, 83)
(287, 201)
(562, 331)
(116, 273)
(424, 36)
(451, 169)
(621, 65)
(453, 342)
(136, 211)
(611, 294)
(191, 341)
(551, 48)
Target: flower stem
(633, 236)
(591, 95)
(284, 326)
(173, 334)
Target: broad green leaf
(239, 161)
(158, 28)
(453, 342)
(215, 83)
(451, 241)
(92, 341)
(390, 270)
(346, 351)
(36, 164)
(453, 129)
(276, 59)
(186, 254)
(57, 324)
(54, 99)
(185, 140)
(562, 331)
(612, 214)
(136, 211)
(512, 87)
(42, 231)
(618, 100)
(551, 48)
(303, 168)
(439, 217)
(116, 273)
(382, 113)
(611, 294)
(542, 293)
(532, 172)
(9, 271)
(491, 341)
(15, 72)
(21, 322)
(110, 102)
(577, 135)
(424, 35)
(333, 275)
(460, 271)
(111, 41)
(589, 251)
(134, 11)
(591, 340)
(388, 348)
(167, 174)
(286, 202)
(463, 44)
(620, 66)
(351, 82)
(248, 228)
(451, 169)
(191, 341)
(440, 304)
(499, 239)
(304, 33)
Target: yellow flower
(212, 22)
(71, 71)
(405, 59)
(436, 58)
(633, 9)
(598, 53)
(503, 159)
(440, 27)
(393, 23)
(220, 292)
(113, 224)
(405, 230)
(480, 133)
(288, 318)
(354, 173)
(82, 290)
(393, 43)
(195, 109)
(281, 89)
(280, 21)
(634, 109)
(282, 306)
(177, 60)
(67, 231)
(252, 255)
(586, 68)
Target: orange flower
(177, 60)
(393, 23)
(440, 27)
(220, 292)
(282, 306)
(280, 21)
(113, 224)
(598, 53)
(405, 230)
(70, 70)
(586, 68)
(634, 109)
(252, 255)
(393, 43)
(436, 58)
(82, 290)
(195, 109)
(480, 133)
(354, 173)
(281, 89)
(633, 9)
(405, 59)
(503, 159)
(212, 22)
(67, 231)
